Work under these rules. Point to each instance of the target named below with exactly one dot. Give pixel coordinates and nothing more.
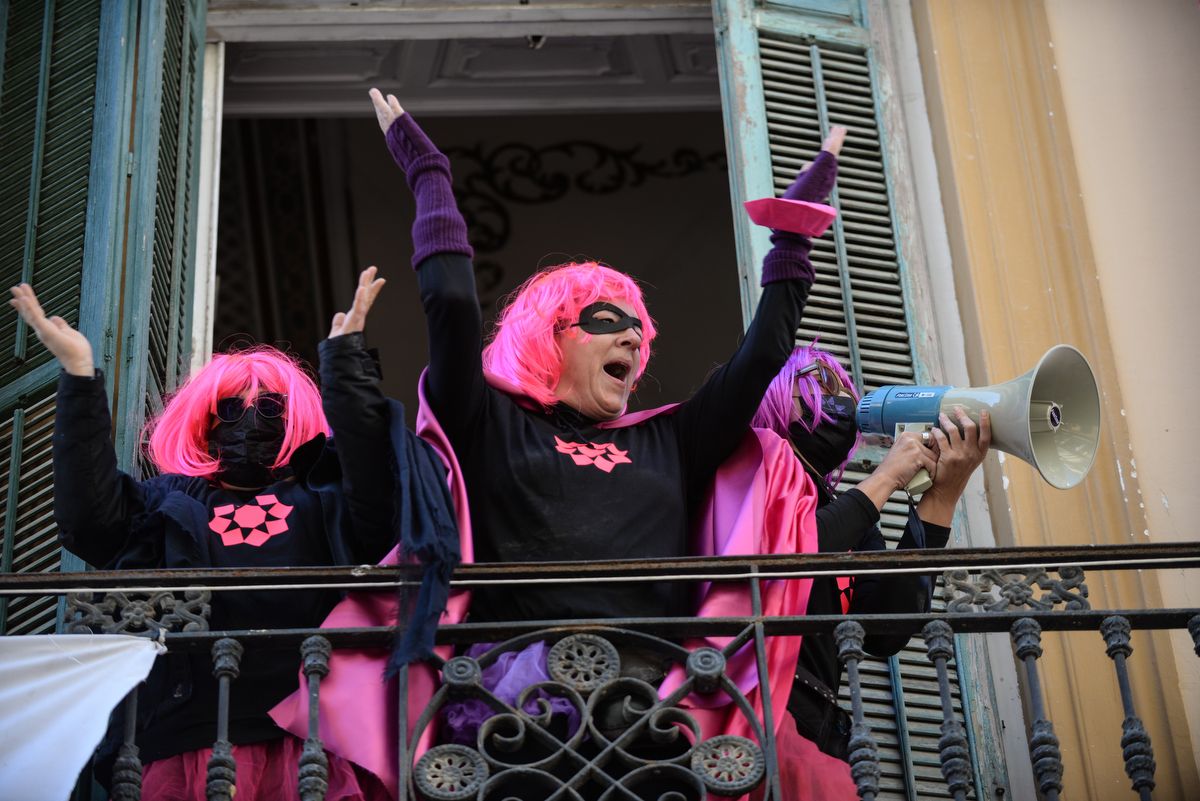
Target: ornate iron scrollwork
(588, 731)
(583, 662)
(729, 765)
(1017, 588)
(489, 181)
(137, 613)
(451, 773)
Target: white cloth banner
(56, 692)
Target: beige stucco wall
(1130, 78)
(1035, 263)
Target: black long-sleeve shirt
(171, 521)
(849, 522)
(553, 485)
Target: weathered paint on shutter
(48, 80)
(159, 276)
(788, 76)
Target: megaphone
(1049, 417)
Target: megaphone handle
(919, 483)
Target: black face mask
(247, 448)
(829, 444)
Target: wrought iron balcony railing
(626, 739)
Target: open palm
(70, 347)
(354, 320)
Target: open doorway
(561, 150)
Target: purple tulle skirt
(506, 677)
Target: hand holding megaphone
(1049, 417)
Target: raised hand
(958, 454)
(833, 143)
(815, 182)
(386, 111)
(907, 455)
(70, 347)
(352, 321)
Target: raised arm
(714, 420)
(442, 258)
(94, 502)
(360, 417)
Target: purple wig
(778, 409)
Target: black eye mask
(593, 325)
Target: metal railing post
(1043, 743)
(222, 769)
(314, 765)
(952, 746)
(864, 754)
(1135, 740)
(127, 770)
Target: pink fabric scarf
(762, 502)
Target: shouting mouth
(618, 370)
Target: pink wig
(524, 348)
(179, 436)
(778, 411)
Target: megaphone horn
(1049, 417)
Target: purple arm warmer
(788, 259)
(439, 226)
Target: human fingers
(394, 105)
(985, 430)
(335, 327)
(834, 141)
(383, 111)
(953, 435)
(938, 442)
(970, 431)
(908, 455)
(368, 289)
(27, 305)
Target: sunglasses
(827, 379)
(267, 404)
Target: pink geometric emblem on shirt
(250, 523)
(603, 455)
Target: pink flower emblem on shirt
(250, 523)
(603, 455)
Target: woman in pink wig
(544, 456)
(248, 477)
(546, 465)
(812, 404)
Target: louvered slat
(877, 316)
(50, 165)
(921, 724)
(34, 544)
(164, 262)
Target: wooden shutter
(791, 69)
(49, 55)
(160, 267)
(68, 80)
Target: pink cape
(761, 502)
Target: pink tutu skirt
(266, 771)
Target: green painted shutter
(791, 69)
(160, 267)
(69, 76)
(49, 56)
